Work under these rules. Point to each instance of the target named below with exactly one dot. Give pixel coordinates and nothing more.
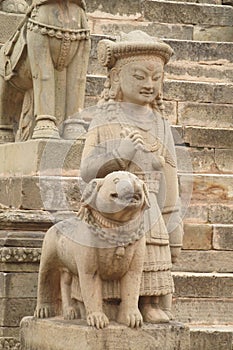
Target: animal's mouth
(131, 198)
(135, 198)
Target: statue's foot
(97, 319)
(45, 128)
(130, 318)
(169, 314)
(154, 314)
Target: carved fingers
(97, 319)
(131, 141)
(134, 136)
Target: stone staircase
(198, 96)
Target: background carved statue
(128, 132)
(105, 242)
(43, 70)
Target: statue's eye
(155, 78)
(139, 77)
(114, 195)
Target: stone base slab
(58, 334)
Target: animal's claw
(70, 313)
(43, 311)
(97, 319)
(131, 319)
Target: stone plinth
(58, 334)
(38, 157)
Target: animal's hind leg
(10, 108)
(69, 310)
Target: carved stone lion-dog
(105, 242)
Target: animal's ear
(90, 192)
(146, 194)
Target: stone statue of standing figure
(128, 132)
(43, 70)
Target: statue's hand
(131, 141)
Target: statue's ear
(90, 192)
(114, 76)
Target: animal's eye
(114, 195)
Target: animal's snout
(128, 189)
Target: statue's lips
(147, 93)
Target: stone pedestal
(58, 334)
(39, 186)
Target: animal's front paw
(131, 318)
(70, 313)
(97, 319)
(43, 311)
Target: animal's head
(119, 195)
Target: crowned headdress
(131, 46)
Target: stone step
(204, 261)
(218, 337)
(201, 212)
(209, 115)
(203, 285)
(205, 160)
(203, 311)
(208, 188)
(208, 137)
(207, 236)
(187, 13)
(212, 71)
(187, 20)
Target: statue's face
(141, 81)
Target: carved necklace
(128, 121)
(113, 233)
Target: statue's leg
(42, 69)
(76, 79)
(165, 302)
(10, 107)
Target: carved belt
(57, 32)
(152, 179)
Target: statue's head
(135, 63)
